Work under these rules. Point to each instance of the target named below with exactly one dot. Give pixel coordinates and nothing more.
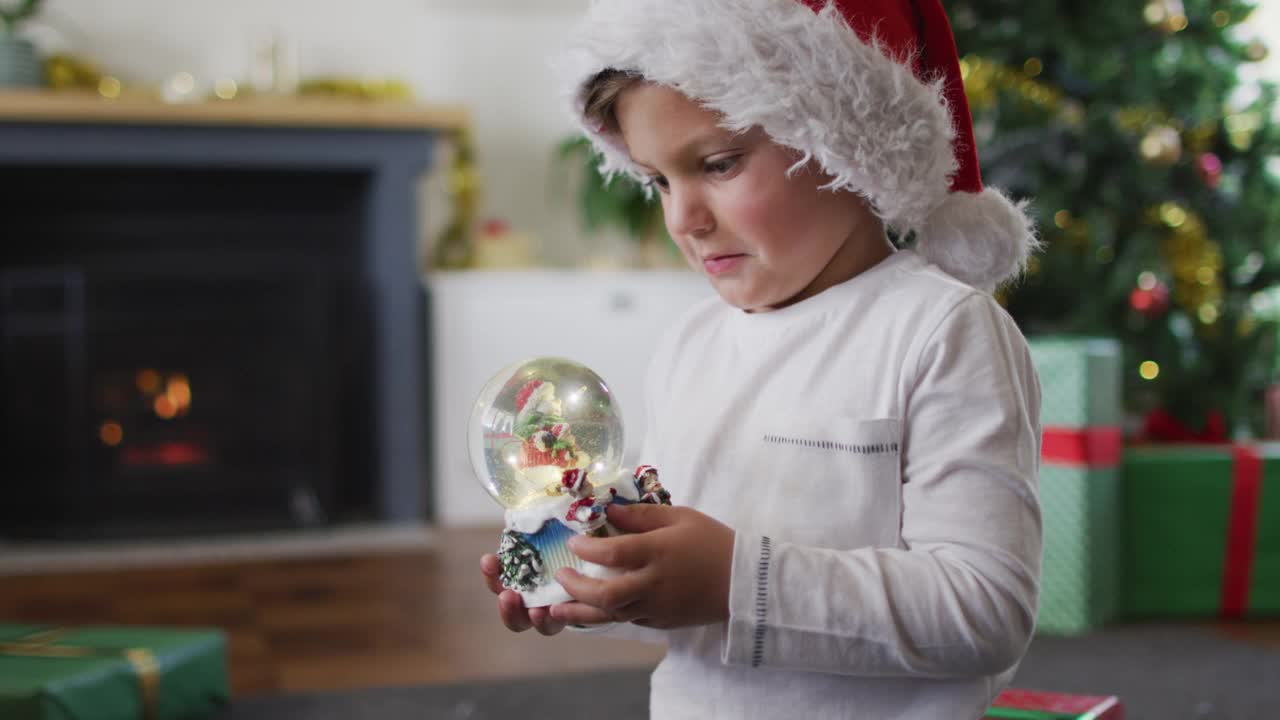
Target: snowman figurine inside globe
(546, 442)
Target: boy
(850, 431)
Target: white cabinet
(484, 321)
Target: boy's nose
(687, 214)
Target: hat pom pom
(982, 239)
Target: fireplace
(191, 348)
(179, 399)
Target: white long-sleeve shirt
(876, 449)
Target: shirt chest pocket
(833, 483)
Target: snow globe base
(549, 542)
(534, 545)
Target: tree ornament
(1200, 138)
(455, 245)
(1194, 260)
(1209, 166)
(985, 79)
(1256, 50)
(1151, 303)
(521, 562)
(64, 71)
(1167, 16)
(1241, 128)
(1161, 146)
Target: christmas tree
(521, 562)
(1154, 178)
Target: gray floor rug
(1160, 671)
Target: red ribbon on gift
(1036, 705)
(1093, 447)
(1242, 529)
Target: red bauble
(1150, 303)
(1210, 168)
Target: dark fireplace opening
(183, 351)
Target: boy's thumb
(639, 517)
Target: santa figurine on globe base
(546, 442)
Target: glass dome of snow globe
(537, 419)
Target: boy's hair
(602, 93)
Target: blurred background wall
(488, 55)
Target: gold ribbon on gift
(44, 643)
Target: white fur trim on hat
(982, 238)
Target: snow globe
(546, 442)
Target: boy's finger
(489, 568)
(494, 584)
(576, 613)
(608, 594)
(640, 517)
(511, 609)
(620, 551)
(544, 622)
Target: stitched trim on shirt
(762, 600)
(876, 449)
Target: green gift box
(1079, 481)
(111, 673)
(1202, 530)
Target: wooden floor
(400, 618)
(374, 619)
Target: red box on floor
(1036, 705)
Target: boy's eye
(659, 182)
(721, 166)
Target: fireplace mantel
(83, 107)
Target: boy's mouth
(719, 264)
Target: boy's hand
(511, 606)
(677, 567)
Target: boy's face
(765, 240)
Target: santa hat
(535, 397)
(869, 89)
(526, 393)
(572, 479)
